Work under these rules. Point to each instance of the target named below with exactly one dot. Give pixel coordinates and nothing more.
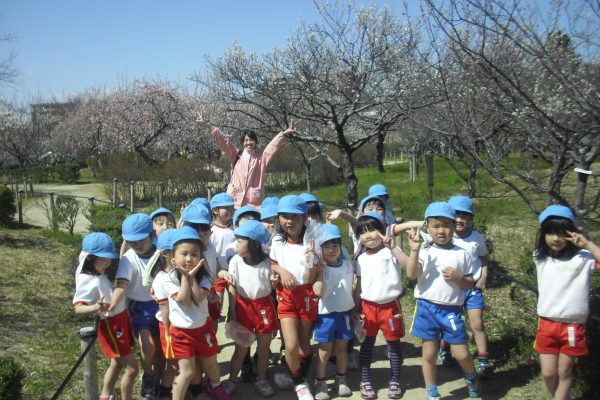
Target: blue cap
(440, 209)
(165, 240)
(329, 232)
(373, 215)
(270, 201)
(556, 211)
(221, 200)
(202, 201)
(378, 190)
(247, 209)
(253, 230)
(291, 204)
(136, 227)
(268, 208)
(161, 210)
(196, 214)
(364, 201)
(99, 244)
(307, 197)
(461, 203)
(185, 233)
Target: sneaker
(283, 380)
(264, 387)
(216, 393)
(342, 388)
(473, 386)
(367, 391)
(394, 391)
(303, 392)
(352, 363)
(229, 385)
(432, 393)
(484, 371)
(147, 390)
(434, 398)
(247, 374)
(321, 390)
(445, 357)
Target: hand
(577, 239)
(229, 278)
(450, 274)
(333, 215)
(192, 271)
(288, 280)
(414, 239)
(357, 315)
(387, 241)
(320, 266)
(290, 130)
(153, 295)
(275, 280)
(200, 118)
(102, 306)
(481, 282)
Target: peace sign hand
(577, 239)
(200, 118)
(290, 129)
(414, 239)
(387, 241)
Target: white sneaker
(283, 381)
(321, 390)
(303, 392)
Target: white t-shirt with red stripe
(221, 238)
(131, 269)
(166, 287)
(563, 287)
(90, 289)
(380, 276)
(252, 281)
(291, 256)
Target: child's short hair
(314, 209)
(369, 223)
(332, 241)
(257, 253)
(378, 201)
(558, 226)
(88, 265)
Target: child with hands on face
(377, 300)
(443, 273)
(194, 345)
(563, 259)
(94, 295)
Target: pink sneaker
(264, 387)
(283, 381)
(215, 393)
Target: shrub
(107, 219)
(66, 173)
(65, 211)
(11, 375)
(7, 205)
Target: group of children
(284, 269)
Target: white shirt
(89, 289)
(290, 255)
(431, 284)
(131, 269)
(166, 287)
(221, 238)
(475, 246)
(380, 276)
(563, 287)
(210, 255)
(337, 295)
(252, 281)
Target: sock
(395, 353)
(305, 362)
(195, 389)
(365, 358)
(296, 376)
(432, 391)
(444, 346)
(483, 359)
(164, 391)
(471, 377)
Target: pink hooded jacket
(247, 184)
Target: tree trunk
(350, 179)
(380, 153)
(582, 179)
(429, 163)
(308, 171)
(471, 183)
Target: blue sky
(66, 46)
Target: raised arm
(413, 269)
(335, 214)
(276, 143)
(222, 141)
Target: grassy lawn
(38, 327)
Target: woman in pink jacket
(248, 166)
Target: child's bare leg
(429, 351)
(289, 330)
(565, 376)
(147, 350)
(211, 367)
(237, 360)
(325, 350)
(110, 377)
(186, 372)
(549, 366)
(128, 379)
(263, 342)
(463, 356)
(340, 347)
(305, 354)
(476, 322)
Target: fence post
(91, 199)
(20, 197)
(30, 181)
(161, 188)
(114, 193)
(90, 379)
(25, 187)
(51, 194)
(131, 194)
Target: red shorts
(257, 315)
(165, 342)
(387, 317)
(221, 285)
(214, 308)
(560, 337)
(115, 335)
(197, 342)
(300, 303)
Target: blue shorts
(334, 326)
(143, 316)
(474, 299)
(434, 320)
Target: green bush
(7, 205)
(107, 219)
(11, 375)
(66, 173)
(59, 173)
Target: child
(334, 287)
(443, 274)
(192, 339)
(252, 306)
(241, 215)
(298, 305)
(563, 259)
(314, 210)
(162, 218)
(93, 295)
(222, 234)
(474, 244)
(377, 299)
(268, 214)
(137, 231)
(381, 191)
